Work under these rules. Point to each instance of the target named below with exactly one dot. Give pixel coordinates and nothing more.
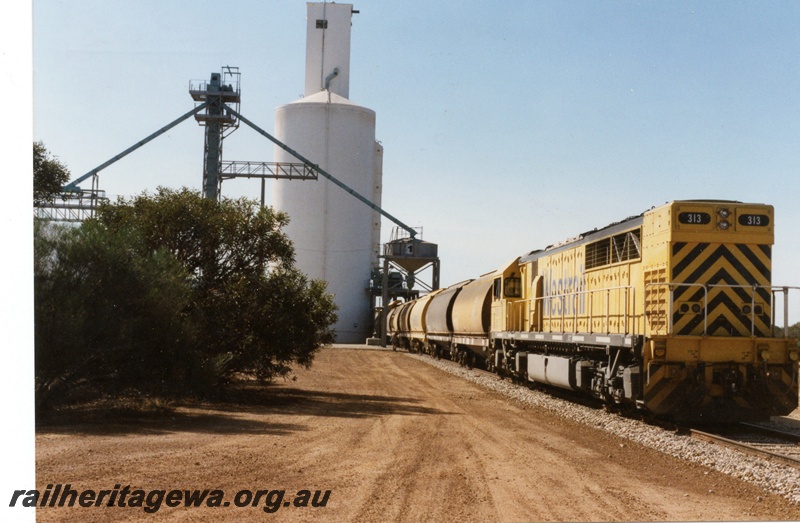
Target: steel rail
(772, 431)
(747, 448)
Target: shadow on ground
(247, 408)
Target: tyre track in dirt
(394, 439)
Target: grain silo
(336, 237)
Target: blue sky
(506, 127)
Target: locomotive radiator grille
(656, 300)
(721, 290)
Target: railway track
(776, 475)
(756, 440)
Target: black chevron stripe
(688, 258)
(736, 264)
(658, 387)
(743, 293)
(722, 276)
(711, 259)
(759, 266)
(697, 319)
(718, 320)
(677, 247)
(721, 322)
(723, 294)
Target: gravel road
(393, 439)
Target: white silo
(336, 237)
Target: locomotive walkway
(393, 439)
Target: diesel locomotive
(671, 312)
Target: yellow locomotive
(671, 311)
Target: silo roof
(324, 97)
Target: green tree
(108, 318)
(254, 311)
(49, 175)
(794, 331)
(171, 294)
(284, 317)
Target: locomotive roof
(586, 237)
(608, 230)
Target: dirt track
(394, 439)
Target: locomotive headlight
(793, 355)
(724, 225)
(724, 213)
(764, 354)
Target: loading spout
(330, 78)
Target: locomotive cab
(709, 314)
(507, 293)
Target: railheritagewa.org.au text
(153, 500)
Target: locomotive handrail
(785, 290)
(772, 290)
(629, 304)
(514, 313)
(515, 310)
